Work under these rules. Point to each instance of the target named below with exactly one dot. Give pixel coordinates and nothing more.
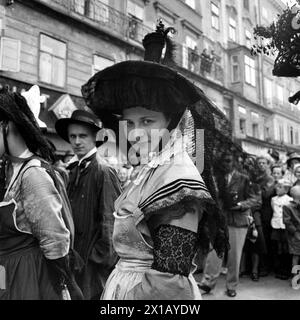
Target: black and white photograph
(149, 153)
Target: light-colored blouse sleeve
(158, 285)
(41, 213)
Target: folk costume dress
(32, 230)
(155, 230)
(167, 208)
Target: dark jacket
(92, 200)
(267, 186)
(239, 190)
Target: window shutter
(10, 54)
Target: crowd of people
(260, 197)
(86, 228)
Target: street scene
(149, 150)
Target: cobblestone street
(268, 288)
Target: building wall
(112, 39)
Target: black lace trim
(174, 249)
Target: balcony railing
(104, 15)
(204, 64)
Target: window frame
(215, 16)
(248, 39)
(65, 60)
(232, 25)
(244, 121)
(237, 65)
(18, 43)
(252, 71)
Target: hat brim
(62, 125)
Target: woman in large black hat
(167, 211)
(34, 238)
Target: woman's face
(145, 124)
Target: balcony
(204, 64)
(103, 16)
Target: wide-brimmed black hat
(78, 117)
(149, 84)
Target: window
(297, 138)
(248, 37)
(232, 29)
(215, 16)
(279, 94)
(100, 63)
(52, 61)
(235, 74)
(254, 115)
(10, 54)
(281, 136)
(135, 10)
(101, 11)
(255, 132)
(79, 6)
(291, 135)
(242, 110)
(267, 133)
(246, 4)
(268, 91)
(242, 126)
(190, 44)
(190, 3)
(250, 75)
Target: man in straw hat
(93, 188)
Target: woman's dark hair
(14, 108)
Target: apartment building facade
(59, 44)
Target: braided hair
(14, 108)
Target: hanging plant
(282, 37)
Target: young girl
(161, 218)
(278, 234)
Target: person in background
(297, 174)
(294, 158)
(291, 219)
(237, 197)
(278, 235)
(266, 183)
(277, 172)
(93, 187)
(124, 178)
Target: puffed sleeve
(41, 212)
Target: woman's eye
(147, 121)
